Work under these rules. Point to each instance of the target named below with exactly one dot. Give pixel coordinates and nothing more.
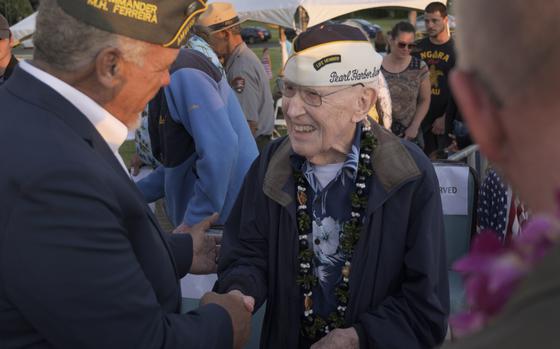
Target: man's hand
(234, 304)
(340, 338)
(411, 132)
(438, 127)
(205, 250)
(253, 127)
(454, 146)
(247, 300)
(183, 228)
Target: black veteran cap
(161, 22)
(332, 55)
(326, 34)
(4, 28)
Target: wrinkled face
(219, 43)
(141, 83)
(322, 134)
(435, 23)
(402, 44)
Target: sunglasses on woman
(410, 46)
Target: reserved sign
(453, 188)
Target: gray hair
(67, 44)
(383, 103)
(508, 61)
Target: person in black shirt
(438, 51)
(7, 60)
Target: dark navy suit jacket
(83, 262)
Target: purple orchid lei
(492, 271)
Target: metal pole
(303, 18)
(412, 17)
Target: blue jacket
(205, 144)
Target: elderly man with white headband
(338, 226)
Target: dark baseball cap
(4, 28)
(161, 22)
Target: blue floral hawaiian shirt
(330, 207)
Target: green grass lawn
(275, 60)
(126, 151)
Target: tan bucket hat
(219, 16)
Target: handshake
(205, 252)
(240, 308)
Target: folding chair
(459, 230)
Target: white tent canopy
(24, 28)
(282, 12)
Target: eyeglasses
(410, 46)
(310, 97)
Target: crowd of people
(337, 227)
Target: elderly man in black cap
(7, 60)
(339, 226)
(84, 263)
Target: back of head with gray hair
(510, 45)
(67, 44)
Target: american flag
(499, 209)
(265, 60)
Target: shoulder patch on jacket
(391, 160)
(238, 84)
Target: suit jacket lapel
(21, 83)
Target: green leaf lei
(313, 326)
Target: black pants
(434, 143)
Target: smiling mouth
(303, 128)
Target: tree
(15, 10)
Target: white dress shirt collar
(110, 128)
